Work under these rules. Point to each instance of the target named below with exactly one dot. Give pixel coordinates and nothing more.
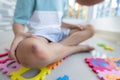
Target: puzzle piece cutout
(65, 77)
(54, 65)
(101, 44)
(99, 64)
(9, 66)
(14, 66)
(114, 62)
(108, 48)
(40, 76)
(109, 75)
(4, 55)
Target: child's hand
(17, 39)
(79, 26)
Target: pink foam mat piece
(103, 75)
(9, 66)
(99, 64)
(3, 55)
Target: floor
(74, 66)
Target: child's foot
(85, 48)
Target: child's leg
(57, 51)
(35, 53)
(77, 36)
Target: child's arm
(23, 11)
(18, 29)
(72, 26)
(19, 33)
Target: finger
(30, 35)
(27, 35)
(83, 27)
(14, 45)
(11, 56)
(34, 36)
(12, 52)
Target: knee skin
(30, 53)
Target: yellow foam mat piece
(108, 48)
(40, 76)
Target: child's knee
(33, 60)
(31, 55)
(91, 30)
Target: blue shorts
(53, 34)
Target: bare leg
(34, 53)
(58, 51)
(70, 45)
(77, 36)
(51, 52)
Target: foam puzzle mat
(74, 66)
(105, 68)
(14, 70)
